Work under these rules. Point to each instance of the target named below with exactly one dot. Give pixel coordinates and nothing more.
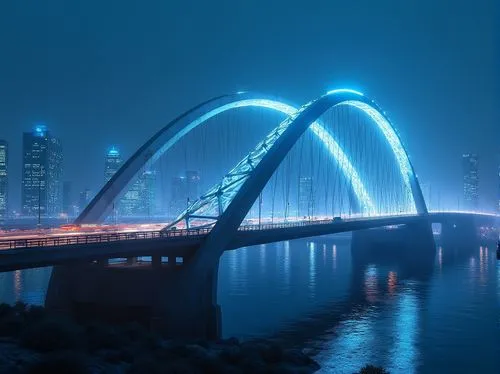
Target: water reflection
(314, 295)
(312, 269)
(404, 354)
(392, 281)
(18, 286)
(286, 263)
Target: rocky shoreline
(34, 342)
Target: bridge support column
(410, 245)
(459, 232)
(175, 301)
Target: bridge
(363, 180)
(171, 247)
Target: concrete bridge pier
(411, 245)
(177, 300)
(459, 232)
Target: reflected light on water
(371, 289)
(392, 280)
(312, 268)
(404, 353)
(18, 285)
(286, 260)
(354, 341)
(262, 258)
(334, 256)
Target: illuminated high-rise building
(139, 200)
(306, 197)
(470, 166)
(112, 163)
(41, 176)
(4, 186)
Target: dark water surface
(443, 319)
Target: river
(311, 294)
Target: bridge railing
(55, 241)
(107, 237)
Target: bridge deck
(52, 250)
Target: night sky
(113, 72)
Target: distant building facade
(41, 191)
(67, 199)
(112, 162)
(4, 185)
(306, 197)
(470, 168)
(140, 199)
(84, 199)
(184, 190)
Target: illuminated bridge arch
(98, 209)
(240, 188)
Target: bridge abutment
(175, 300)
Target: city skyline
(113, 160)
(124, 87)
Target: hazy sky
(113, 72)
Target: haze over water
(311, 294)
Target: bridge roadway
(53, 250)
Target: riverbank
(33, 341)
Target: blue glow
(316, 127)
(344, 90)
(113, 151)
(40, 129)
(397, 147)
(224, 192)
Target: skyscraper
(85, 197)
(178, 196)
(184, 190)
(67, 202)
(42, 170)
(471, 180)
(306, 198)
(4, 162)
(112, 163)
(139, 200)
